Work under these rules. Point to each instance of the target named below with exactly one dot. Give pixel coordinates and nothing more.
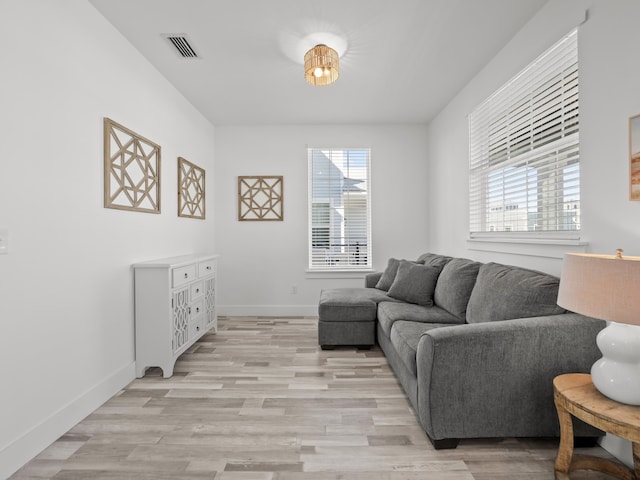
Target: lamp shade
(601, 286)
(321, 65)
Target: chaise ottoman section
(347, 316)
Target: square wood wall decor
(191, 190)
(260, 198)
(131, 170)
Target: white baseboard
(267, 310)
(619, 448)
(17, 453)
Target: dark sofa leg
(445, 443)
(327, 347)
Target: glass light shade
(321, 65)
(607, 287)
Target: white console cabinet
(175, 304)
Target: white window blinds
(339, 209)
(524, 150)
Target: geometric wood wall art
(260, 198)
(191, 190)
(131, 170)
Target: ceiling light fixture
(321, 65)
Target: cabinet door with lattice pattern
(210, 303)
(180, 304)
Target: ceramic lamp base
(617, 374)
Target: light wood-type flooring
(260, 400)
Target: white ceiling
(402, 60)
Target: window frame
(486, 160)
(358, 255)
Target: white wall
(261, 261)
(608, 97)
(66, 292)
(609, 70)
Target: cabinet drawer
(197, 290)
(182, 275)
(208, 267)
(196, 308)
(195, 326)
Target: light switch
(4, 241)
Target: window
(339, 209)
(524, 154)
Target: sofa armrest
(371, 279)
(495, 379)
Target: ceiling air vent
(182, 45)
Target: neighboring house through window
(339, 209)
(525, 153)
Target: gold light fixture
(321, 65)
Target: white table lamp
(608, 287)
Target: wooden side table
(574, 394)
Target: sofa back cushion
(454, 286)
(389, 274)
(414, 283)
(433, 259)
(503, 292)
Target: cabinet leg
(636, 459)
(167, 369)
(140, 371)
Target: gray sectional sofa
(475, 346)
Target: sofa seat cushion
(455, 285)
(405, 337)
(350, 304)
(391, 312)
(505, 292)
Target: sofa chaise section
(347, 316)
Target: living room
(66, 285)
